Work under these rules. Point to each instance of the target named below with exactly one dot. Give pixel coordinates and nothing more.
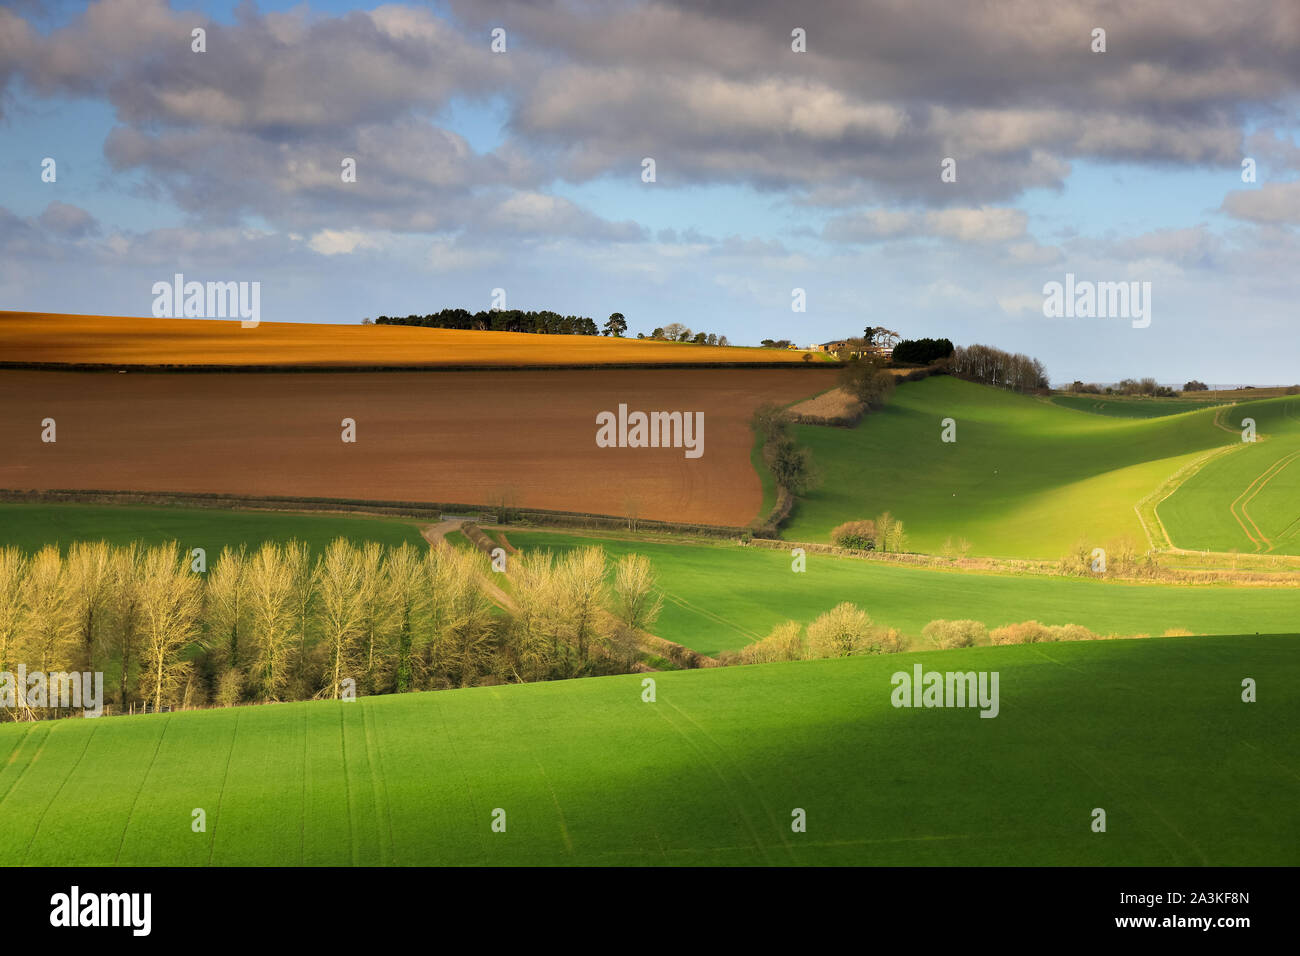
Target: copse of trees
(280, 623)
(1196, 386)
(676, 332)
(922, 351)
(1143, 386)
(506, 320)
(993, 366)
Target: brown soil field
(49, 338)
(421, 436)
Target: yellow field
(51, 338)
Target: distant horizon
(1113, 190)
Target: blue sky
(775, 170)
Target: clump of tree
(922, 351)
(866, 379)
(1143, 386)
(1083, 388)
(1195, 386)
(776, 343)
(993, 366)
(676, 332)
(503, 320)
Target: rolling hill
(710, 773)
(1027, 477)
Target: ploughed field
(526, 437)
(123, 341)
(1153, 732)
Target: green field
(32, 526)
(1122, 407)
(721, 597)
(1247, 500)
(1025, 478)
(708, 774)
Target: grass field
(1247, 500)
(129, 341)
(708, 774)
(1025, 478)
(32, 526)
(721, 597)
(1122, 407)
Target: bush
(949, 634)
(843, 631)
(866, 381)
(785, 643)
(857, 535)
(1034, 632)
(886, 641)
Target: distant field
(721, 597)
(1131, 407)
(126, 341)
(473, 438)
(1248, 500)
(32, 526)
(1153, 732)
(1025, 478)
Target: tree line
(508, 320)
(279, 623)
(993, 366)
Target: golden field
(55, 339)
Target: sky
(775, 169)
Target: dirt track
(471, 437)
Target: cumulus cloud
(1270, 204)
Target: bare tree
(408, 598)
(226, 605)
(125, 611)
(170, 607)
(271, 619)
(342, 608)
(13, 619)
(90, 580)
(50, 626)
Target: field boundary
(1173, 483)
(423, 510)
(114, 367)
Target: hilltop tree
(616, 325)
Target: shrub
(858, 535)
(1034, 632)
(949, 634)
(886, 641)
(843, 631)
(1026, 632)
(785, 643)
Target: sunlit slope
(1025, 477)
(721, 597)
(586, 772)
(1248, 500)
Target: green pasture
(711, 773)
